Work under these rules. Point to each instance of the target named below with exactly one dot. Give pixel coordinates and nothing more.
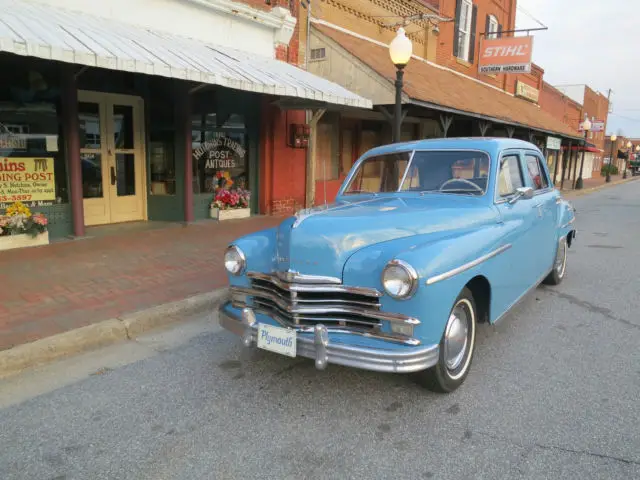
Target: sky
(591, 42)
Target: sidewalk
(123, 269)
(66, 285)
(591, 183)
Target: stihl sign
(505, 55)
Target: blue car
(424, 240)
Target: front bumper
(318, 346)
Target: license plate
(277, 339)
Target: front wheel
(456, 348)
(559, 265)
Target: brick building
(140, 110)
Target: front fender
(431, 257)
(259, 250)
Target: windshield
(460, 172)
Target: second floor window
(492, 30)
(465, 30)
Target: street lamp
(400, 50)
(624, 173)
(586, 126)
(613, 140)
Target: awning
(51, 33)
(438, 88)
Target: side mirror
(525, 193)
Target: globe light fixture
(613, 140)
(400, 50)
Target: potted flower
(230, 203)
(21, 228)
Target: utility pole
(606, 122)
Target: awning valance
(51, 33)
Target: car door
(518, 267)
(544, 201)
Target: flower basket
(9, 242)
(20, 228)
(229, 214)
(230, 204)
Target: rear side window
(510, 177)
(536, 173)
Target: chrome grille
(298, 301)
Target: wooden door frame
(106, 98)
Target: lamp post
(613, 140)
(586, 126)
(624, 165)
(400, 50)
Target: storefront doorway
(112, 157)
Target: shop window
(326, 152)
(220, 155)
(32, 163)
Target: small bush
(613, 170)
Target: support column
(575, 167)
(71, 130)
(555, 170)
(183, 124)
(311, 166)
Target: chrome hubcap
(561, 258)
(456, 337)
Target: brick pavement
(66, 285)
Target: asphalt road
(554, 392)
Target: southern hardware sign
(27, 180)
(505, 55)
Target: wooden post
(72, 134)
(311, 165)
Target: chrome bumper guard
(316, 345)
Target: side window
(510, 177)
(536, 173)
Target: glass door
(112, 157)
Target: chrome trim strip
(316, 344)
(259, 290)
(311, 288)
(467, 266)
(295, 277)
(406, 171)
(326, 309)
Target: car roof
(489, 144)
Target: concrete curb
(107, 332)
(578, 193)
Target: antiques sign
(27, 180)
(221, 153)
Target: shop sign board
(527, 92)
(505, 55)
(28, 180)
(553, 143)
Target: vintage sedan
(424, 240)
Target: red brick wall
(282, 168)
(596, 105)
(534, 79)
(259, 4)
(503, 10)
(560, 106)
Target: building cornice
(278, 18)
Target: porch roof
(53, 33)
(438, 88)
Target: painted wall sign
(553, 143)
(28, 180)
(220, 162)
(527, 92)
(220, 153)
(505, 55)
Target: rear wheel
(456, 348)
(559, 265)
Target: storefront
(151, 136)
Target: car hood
(319, 241)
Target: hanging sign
(27, 180)
(505, 55)
(553, 143)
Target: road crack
(555, 447)
(593, 308)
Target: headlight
(399, 279)
(234, 260)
